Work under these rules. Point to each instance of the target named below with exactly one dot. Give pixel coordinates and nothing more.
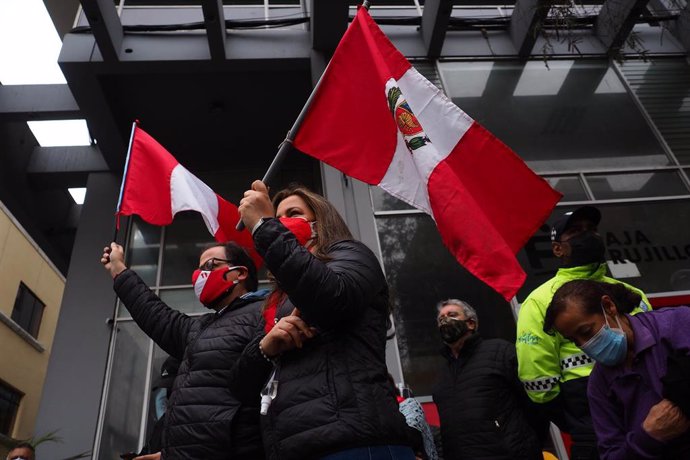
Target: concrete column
(72, 392)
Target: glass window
(28, 310)
(646, 246)
(571, 116)
(570, 186)
(663, 88)
(122, 418)
(159, 384)
(635, 185)
(421, 272)
(183, 300)
(185, 240)
(143, 248)
(9, 404)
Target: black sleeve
(250, 372)
(327, 293)
(536, 415)
(167, 327)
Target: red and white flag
(375, 118)
(156, 187)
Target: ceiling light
(78, 194)
(60, 133)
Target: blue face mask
(608, 346)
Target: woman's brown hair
(330, 226)
(589, 293)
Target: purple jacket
(620, 398)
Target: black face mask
(586, 248)
(452, 330)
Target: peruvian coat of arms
(408, 124)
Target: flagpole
(124, 179)
(285, 145)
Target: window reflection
(568, 117)
(185, 240)
(633, 185)
(420, 273)
(142, 253)
(122, 418)
(183, 300)
(653, 236)
(570, 187)
(663, 88)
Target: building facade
(30, 298)
(594, 98)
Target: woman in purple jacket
(631, 413)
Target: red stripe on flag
(355, 107)
(483, 199)
(228, 216)
(514, 199)
(468, 234)
(147, 184)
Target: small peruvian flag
(375, 118)
(156, 187)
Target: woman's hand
(289, 333)
(665, 421)
(113, 259)
(255, 205)
(155, 456)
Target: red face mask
(301, 228)
(212, 286)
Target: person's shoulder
(498, 346)
(351, 249)
(544, 292)
(666, 318)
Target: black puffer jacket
(481, 404)
(203, 418)
(333, 394)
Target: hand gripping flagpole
(124, 179)
(285, 145)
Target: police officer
(552, 369)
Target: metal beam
(683, 27)
(328, 23)
(525, 24)
(214, 20)
(64, 166)
(435, 21)
(680, 27)
(37, 102)
(88, 90)
(106, 27)
(615, 21)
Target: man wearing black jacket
(203, 418)
(480, 401)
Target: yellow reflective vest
(544, 360)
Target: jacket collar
(470, 344)
(590, 271)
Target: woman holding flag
(329, 398)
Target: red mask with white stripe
(212, 286)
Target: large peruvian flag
(375, 118)
(156, 187)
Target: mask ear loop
(607, 319)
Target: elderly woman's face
(294, 206)
(576, 325)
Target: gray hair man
(480, 401)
